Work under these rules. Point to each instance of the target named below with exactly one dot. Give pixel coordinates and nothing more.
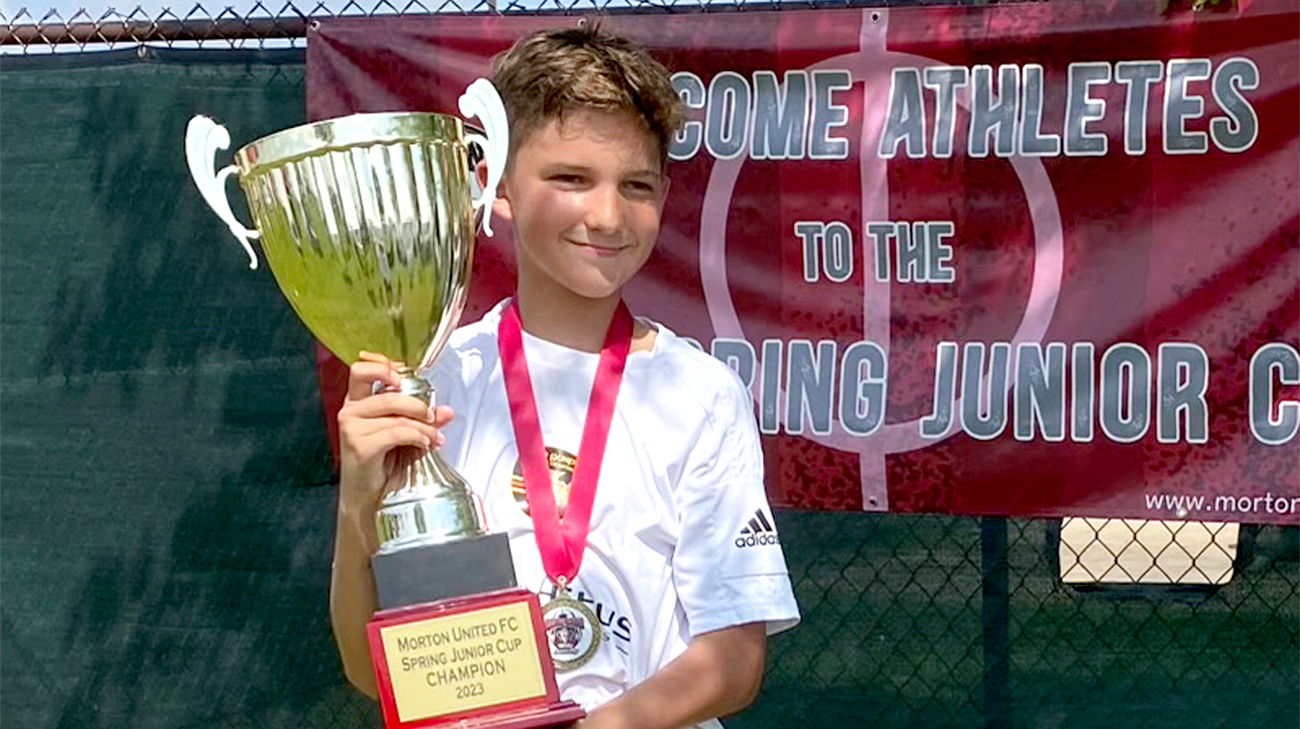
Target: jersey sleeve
(728, 565)
(452, 377)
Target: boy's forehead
(614, 129)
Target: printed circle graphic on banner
(873, 66)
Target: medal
(573, 631)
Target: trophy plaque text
(480, 661)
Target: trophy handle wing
(482, 101)
(203, 139)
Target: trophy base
(431, 572)
(479, 661)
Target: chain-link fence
(148, 380)
(941, 621)
(285, 25)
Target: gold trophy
(367, 222)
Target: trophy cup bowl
(368, 223)
(368, 226)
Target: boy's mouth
(600, 250)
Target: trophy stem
(433, 503)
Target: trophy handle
(203, 139)
(482, 101)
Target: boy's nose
(604, 210)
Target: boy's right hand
(376, 419)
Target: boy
(677, 605)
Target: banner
(1034, 260)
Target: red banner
(1035, 259)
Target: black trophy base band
(432, 572)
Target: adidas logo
(759, 532)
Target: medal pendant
(573, 632)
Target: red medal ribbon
(562, 543)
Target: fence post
(995, 617)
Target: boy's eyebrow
(570, 167)
(563, 167)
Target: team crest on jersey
(561, 465)
(759, 532)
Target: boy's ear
(500, 205)
(501, 208)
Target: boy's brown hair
(551, 73)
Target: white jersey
(682, 540)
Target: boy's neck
(565, 318)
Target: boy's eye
(641, 187)
(567, 179)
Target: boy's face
(585, 195)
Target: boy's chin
(595, 287)
(594, 293)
